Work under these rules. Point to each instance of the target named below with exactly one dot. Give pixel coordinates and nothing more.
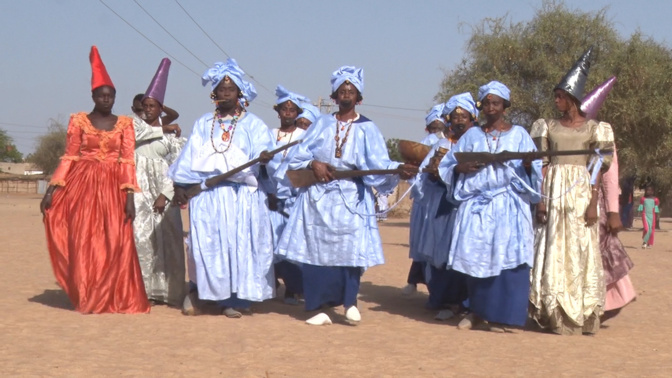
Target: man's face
(435, 127)
(137, 108)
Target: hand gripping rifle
(302, 178)
(194, 190)
(484, 158)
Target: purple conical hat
(593, 101)
(157, 88)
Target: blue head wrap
(435, 113)
(310, 112)
(234, 72)
(348, 73)
(285, 95)
(464, 101)
(496, 88)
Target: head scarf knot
(464, 101)
(234, 72)
(348, 73)
(285, 95)
(496, 88)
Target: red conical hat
(99, 76)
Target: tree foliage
(8, 151)
(50, 148)
(393, 149)
(531, 58)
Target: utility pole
(324, 105)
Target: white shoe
(409, 289)
(466, 323)
(352, 314)
(644, 246)
(444, 315)
(319, 319)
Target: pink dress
(615, 260)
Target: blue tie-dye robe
(230, 229)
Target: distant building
(20, 169)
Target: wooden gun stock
(302, 178)
(488, 158)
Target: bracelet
(203, 185)
(310, 164)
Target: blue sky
(404, 46)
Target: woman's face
(287, 111)
(152, 109)
(562, 100)
(460, 120)
(346, 95)
(226, 93)
(303, 123)
(103, 98)
(493, 106)
(649, 192)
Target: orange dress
(91, 247)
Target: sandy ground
(41, 336)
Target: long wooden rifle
(489, 158)
(194, 190)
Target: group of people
(496, 243)
(521, 239)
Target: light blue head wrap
(310, 112)
(348, 73)
(464, 101)
(234, 72)
(285, 95)
(496, 88)
(435, 114)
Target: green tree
(50, 148)
(531, 57)
(8, 151)
(393, 149)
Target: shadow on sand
(389, 299)
(53, 298)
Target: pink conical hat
(593, 101)
(157, 88)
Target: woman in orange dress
(88, 208)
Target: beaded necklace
(228, 133)
(494, 138)
(340, 126)
(291, 135)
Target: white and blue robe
(493, 238)
(419, 272)
(332, 229)
(432, 218)
(230, 234)
(289, 272)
